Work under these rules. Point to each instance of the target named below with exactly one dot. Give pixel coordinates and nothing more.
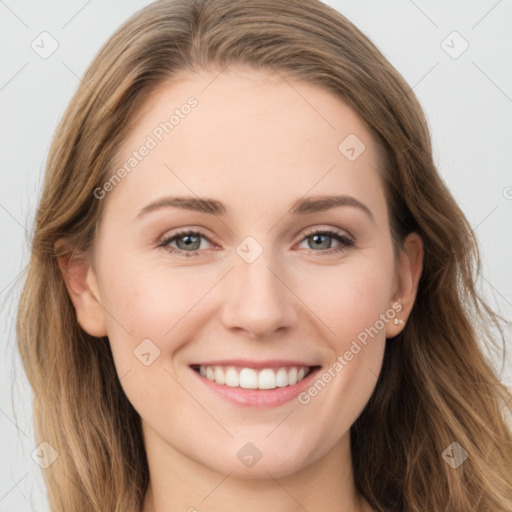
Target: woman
(249, 288)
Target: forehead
(249, 137)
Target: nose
(258, 300)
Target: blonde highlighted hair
(436, 384)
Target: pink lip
(264, 398)
(245, 363)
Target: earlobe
(80, 281)
(408, 277)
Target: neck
(179, 483)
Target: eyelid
(196, 230)
(323, 228)
(165, 240)
(200, 230)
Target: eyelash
(345, 242)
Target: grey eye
(192, 242)
(318, 243)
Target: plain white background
(467, 100)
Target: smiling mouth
(251, 378)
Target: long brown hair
(436, 386)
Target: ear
(408, 276)
(80, 281)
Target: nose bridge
(257, 300)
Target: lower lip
(259, 397)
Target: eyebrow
(215, 207)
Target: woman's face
(257, 293)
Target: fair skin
(256, 145)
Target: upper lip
(245, 363)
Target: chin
(261, 461)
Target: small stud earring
(398, 321)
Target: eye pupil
(188, 241)
(318, 237)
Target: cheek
(360, 325)
(352, 300)
(150, 316)
(358, 308)
(143, 302)
(354, 307)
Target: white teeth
(249, 378)
(281, 378)
(267, 379)
(220, 378)
(232, 378)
